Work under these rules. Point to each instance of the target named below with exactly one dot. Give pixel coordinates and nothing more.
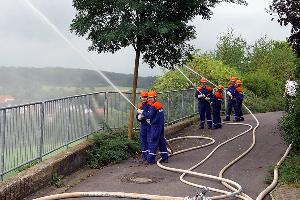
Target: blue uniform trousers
(204, 110)
(157, 141)
(216, 110)
(239, 108)
(231, 104)
(144, 137)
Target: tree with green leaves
(232, 50)
(157, 30)
(289, 14)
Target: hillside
(64, 77)
(35, 84)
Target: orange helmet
(233, 79)
(152, 94)
(220, 87)
(144, 94)
(203, 80)
(238, 82)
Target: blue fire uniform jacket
(144, 131)
(204, 108)
(157, 136)
(216, 102)
(239, 101)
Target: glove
(207, 98)
(148, 121)
(229, 94)
(199, 96)
(139, 111)
(140, 117)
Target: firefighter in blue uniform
(157, 136)
(231, 101)
(239, 100)
(145, 126)
(203, 94)
(216, 102)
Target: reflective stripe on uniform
(163, 152)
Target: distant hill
(65, 77)
(26, 85)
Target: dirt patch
(140, 178)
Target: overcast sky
(27, 41)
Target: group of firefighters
(210, 103)
(150, 114)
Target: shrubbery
(290, 171)
(291, 125)
(213, 70)
(263, 68)
(111, 147)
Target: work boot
(242, 119)
(227, 118)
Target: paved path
(250, 172)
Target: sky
(27, 41)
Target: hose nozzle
(199, 195)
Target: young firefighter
(216, 102)
(157, 136)
(231, 102)
(145, 126)
(203, 94)
(239, 100)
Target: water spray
(185, 76)
(228, 183)
(200, 75)
(81, 53)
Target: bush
(262, 104)
(290, 170)
(263, 84)
(274, 57)
(290, 124)
(111, 147)
(214, 70)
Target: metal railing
(31, 132)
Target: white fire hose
(234, 187)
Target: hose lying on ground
(235, 187)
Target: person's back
(290, 92)
(291, 88)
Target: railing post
(182, 104)
(106, 108)
(3, 145)
(168, 107)
(42, 132)
(89, 130)
(69, 122)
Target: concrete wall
(40, 175)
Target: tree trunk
(133, 95)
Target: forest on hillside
(35, 84)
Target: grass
(289, 171)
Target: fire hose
(236, 189)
